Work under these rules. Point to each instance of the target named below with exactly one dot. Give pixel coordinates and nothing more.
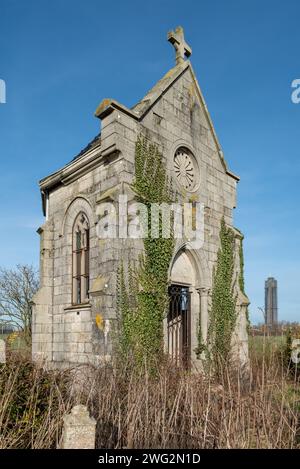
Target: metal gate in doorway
(179, 325)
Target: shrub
(172, 408)
(32, 402)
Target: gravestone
(2, 351)
(79, 429)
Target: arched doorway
(180, 322)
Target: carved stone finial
(181, 47)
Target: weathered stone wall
(61, 332)
(184, 123)
(66, 334)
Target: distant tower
(271, 308)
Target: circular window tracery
(185, 168)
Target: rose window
(184, 167)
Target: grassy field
(266, 343)
(3, 336)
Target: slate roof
(92, 144)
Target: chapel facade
(74, 311)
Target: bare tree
(17, 287)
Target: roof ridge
(155, 92)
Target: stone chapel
(75, 308)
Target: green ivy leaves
(223, 308)
(141, 306)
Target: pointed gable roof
(143, 106)
(139, 110)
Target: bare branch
(17, 287)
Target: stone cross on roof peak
(181, 47)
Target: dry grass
(173, 409)
(32, 404)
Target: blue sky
(60, 58)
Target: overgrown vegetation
(32, 403)
(141, 305)
(172, 409)
(223, 306)
(290, 358)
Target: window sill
(78, 307)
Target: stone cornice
(76, 169)
(72, 171)
(107, 106)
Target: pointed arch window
(81, 255)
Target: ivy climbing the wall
(141, 306)
(223, 305)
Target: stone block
(81, 347)
(58, 347)
(76, 327)
(85, 315)
(88, 348)
(58, 337)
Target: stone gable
(173, 115)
